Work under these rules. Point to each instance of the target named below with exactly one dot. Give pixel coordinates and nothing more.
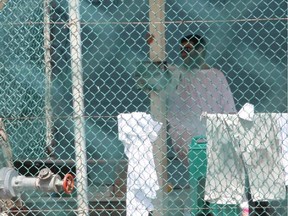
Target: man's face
(188, 53)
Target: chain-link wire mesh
(112, 92)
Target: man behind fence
(193, 88)
(200, 88)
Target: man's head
(193, 50)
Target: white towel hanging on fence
(252, 143)
(137, 131)
(283, 123)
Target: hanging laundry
(244, 142)
(137, 131)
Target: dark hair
(197, 40)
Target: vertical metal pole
(78, 105)
(48, 73)
(158, 99)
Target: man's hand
(2, 4)
(149, 38)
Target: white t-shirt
(197, 91)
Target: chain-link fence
(156, 107)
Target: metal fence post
(78, 105)
(158, 100)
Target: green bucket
(197, 172)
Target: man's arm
(227, 99)
(152, 76)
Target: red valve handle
(68, 183)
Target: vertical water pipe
(48, 72)
(78, 106)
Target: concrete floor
(178, 202)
